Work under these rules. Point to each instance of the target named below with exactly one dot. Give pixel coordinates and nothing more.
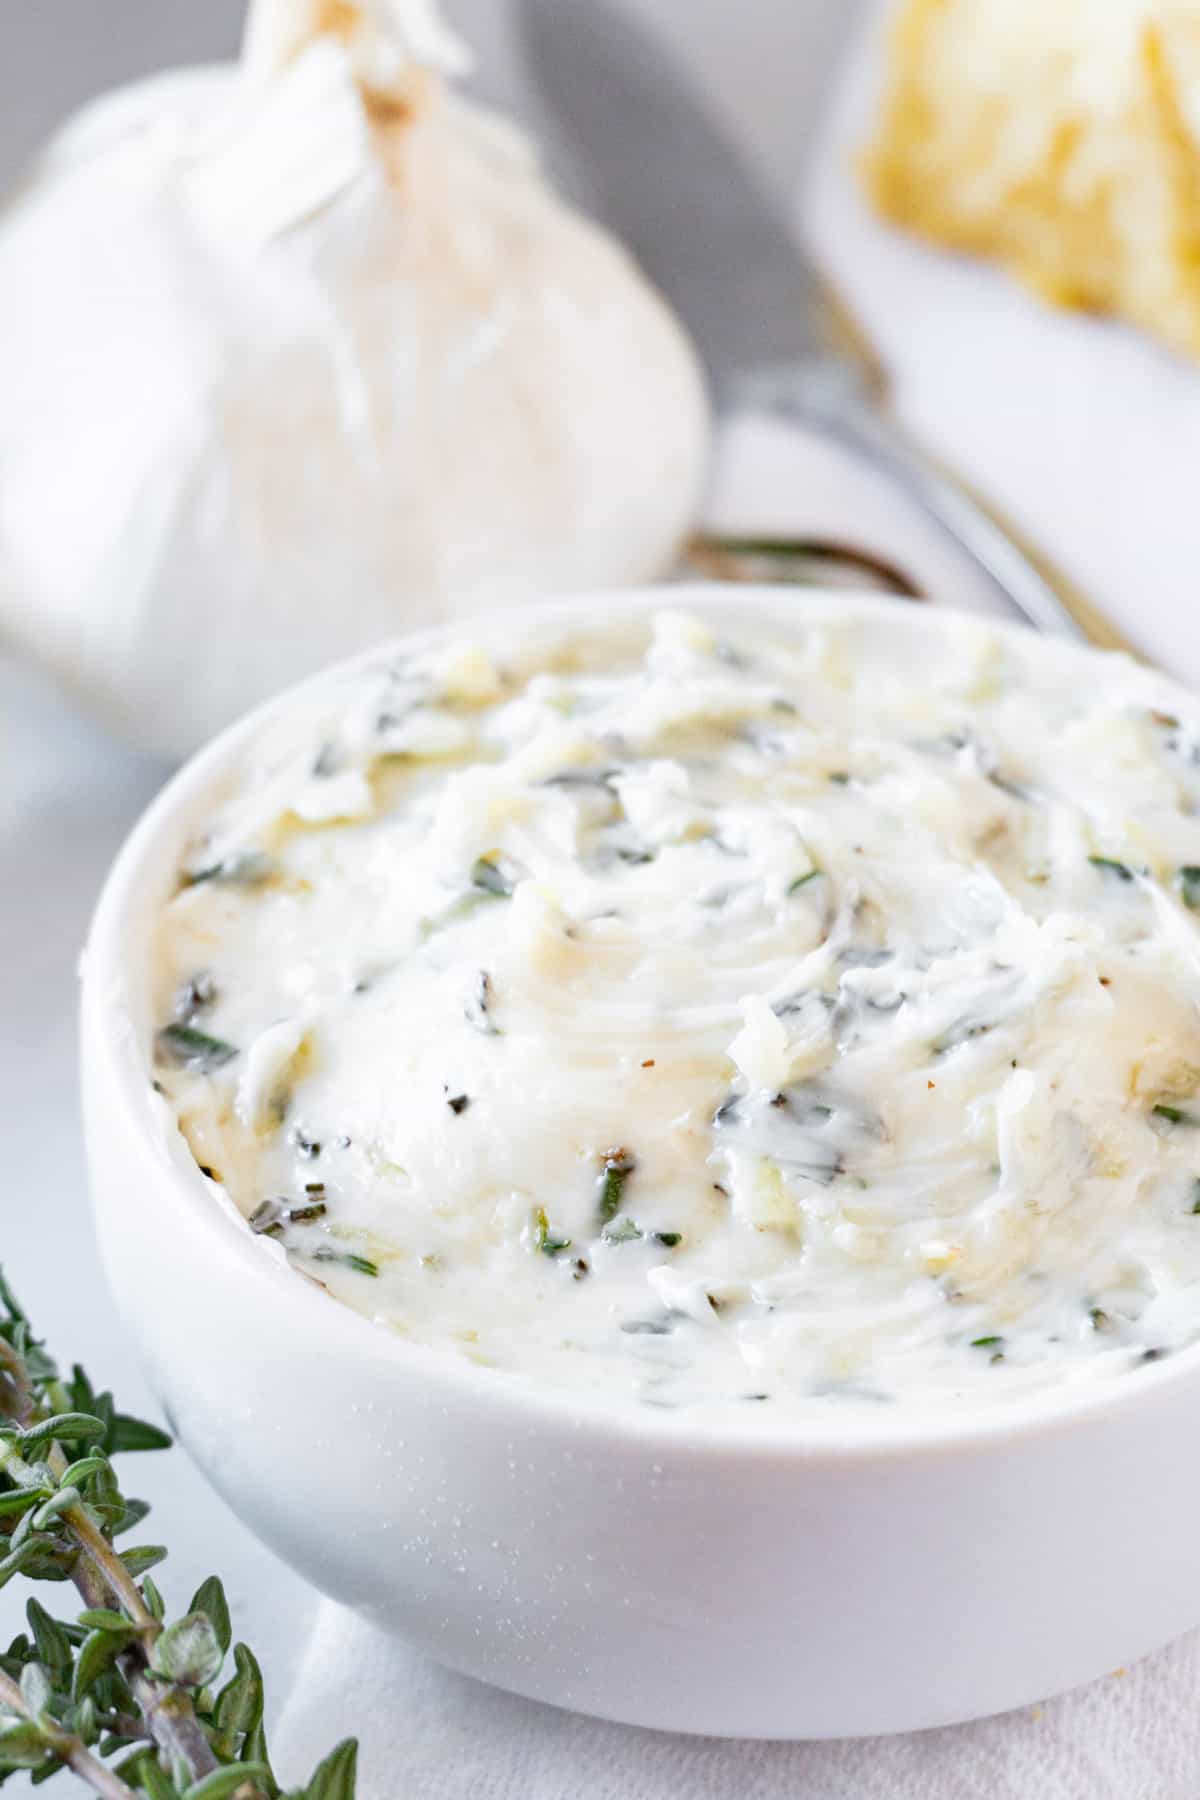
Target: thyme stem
(104, 1581)
(16, 1392)
(124, 1675)
(68, 1748)
(103, 1558)
(118, 1586)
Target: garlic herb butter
(712, 1016)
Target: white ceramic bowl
(861, 1575)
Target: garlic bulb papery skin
(301, 354)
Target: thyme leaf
(267, 1219)
(306, 1213)
(196, 995)
(1174, 1115)
(478, 1010)
(1109, 866)
(1189, 885)
(622, 1231)
(616, 1166)
(243, 868)
(542, 1239)
(583, 778)
(346, 1259)
(189, 1048)
(490, 878)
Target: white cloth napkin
(1089, 438)
(430, 1735)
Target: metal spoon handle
(829, 397)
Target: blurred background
(764, 62)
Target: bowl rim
(111, 956)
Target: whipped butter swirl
(715, 1016)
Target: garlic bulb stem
(385, 38)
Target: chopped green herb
(959, 1033)
(244, 868)
(582, 778)
(1196, 1196)
(196, 994)
(188, 1048)
(362, 1265)
(267, 1219)
(304, 1215)
(1174, 1115)
(1016, 790)
(490, 878)
(803, 880)
(1109, 866)
(615, 1168)
(621, 1231)
(542, 1240)
(985, 1343)
(1100, 1319)
(478, 1008)
(1189, 885)
(862, 956)
(839, 777)
(458, 1103)
(668, 1239)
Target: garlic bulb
(299, 354)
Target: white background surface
(67, 796)
(765, 62)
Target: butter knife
(665, 176)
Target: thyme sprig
(120, 1680)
